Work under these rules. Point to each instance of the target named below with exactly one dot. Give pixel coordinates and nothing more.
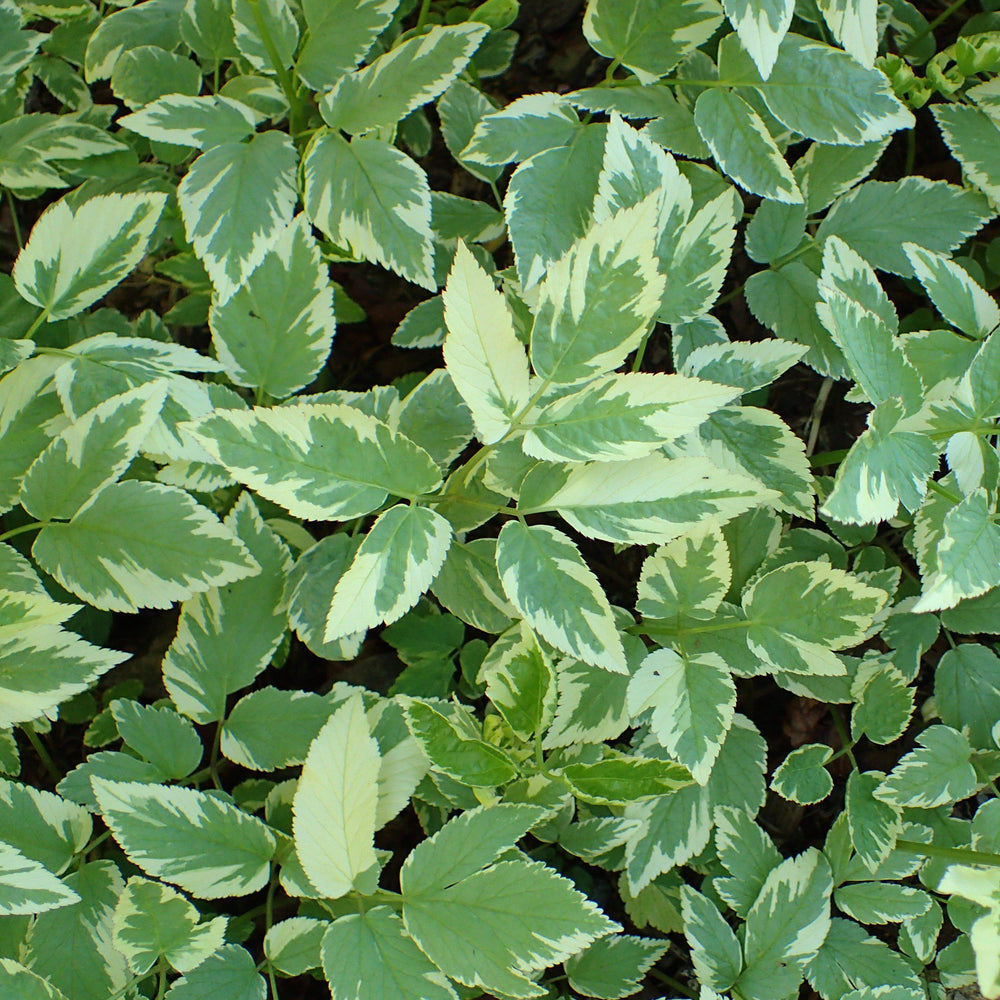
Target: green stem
(43, 755)
(940, 19)
(941, 491)
(845, 736)
(425, 8)
(676, 986)
(12, 205)
(39, 320)
(268, 922)
(960, 855)
(641, 350)
(24, 528)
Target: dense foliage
(543, 656)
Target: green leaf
(521, 683)
(481, 351)
(820, 92)
(206, 27)
(743, 147)
(470, 588)
(318, 461)
(525, 127)
(270, 729)
(686, 578)
(407, 76)
(469, 761)
(715, 951)
(292, 946)
(164, 738)
(373, 199)
(370, 956)
(231, 972)
(494, 928)
(549, 201)
(887, 466)
(597, 301)
(825, 172)
(761, 27)
(967, 691)
(193, 839)
(938, 772)
(460, 109)
(546, 579)
(395, 564)
(621, 417)
(91, 452)
(962, 302)
(881, 902)
(968, 555)
(26, 887)
(743, 365)
(693, 700)
(833, 610)
(141, 544)
(74, 256)
(613, 966)
(473, 840)
(971, 136)
(146, 73)
(650, 500)
(786, 926)
(877, 217)
(202, 122)
(650, 38)
(236, 199)
(202, 666)
(619, 780)
(153, 921)
(275, 332)
(339, 33)
(874, 825)
(335, 802)
(434, 416)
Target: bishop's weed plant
(675, 705)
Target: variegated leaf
(971, 135)
(650, 37)
(318, 461)
(887, 466)
(743, 147)
(236, 199)
(190, 838)
(642, 501)
(481, 351)
(265, 31)
(407, 76)
(74, 256)
(715, 950)
(761, 27)
(141, 545)
(335, 802)
(832, 610)
(27, 887)
(741, 364)
(201, 122)
(275, 332)
(397, 561)
(521, 683)
(937, 772)
(688, 577)
(548, 582)
(693, 700)
(92, 452)
(373, 199)
(202, 666)
(597, 302)
(155, 22)
(854, 24)
(339, 33)
(622, 417)
(527, 126)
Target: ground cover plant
(499, 502)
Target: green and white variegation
(761, 27)
(201, 122)
(76, 255)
